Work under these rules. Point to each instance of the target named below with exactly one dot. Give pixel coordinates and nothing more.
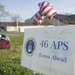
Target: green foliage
(10, 59)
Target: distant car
(5, 42)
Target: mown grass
(10, 59)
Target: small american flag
(45, 10)
(37, 18)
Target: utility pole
(17, 17)
(58, 22)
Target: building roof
(64, 18)
(67, 18)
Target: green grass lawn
(10, 59)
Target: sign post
(49, 50)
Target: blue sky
(27, 8)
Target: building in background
(57, 20)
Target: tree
(3, 13)
(15, 18)
(1, 9)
